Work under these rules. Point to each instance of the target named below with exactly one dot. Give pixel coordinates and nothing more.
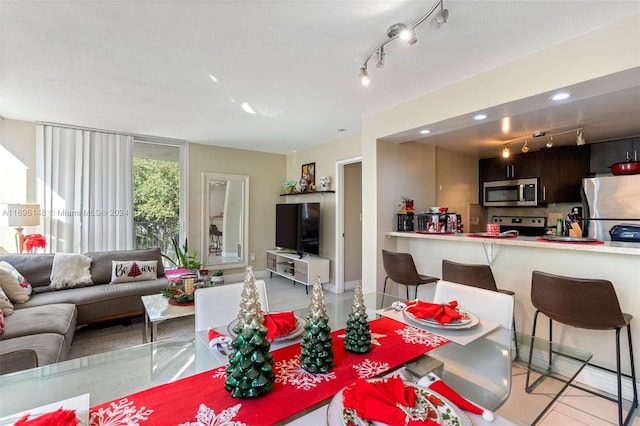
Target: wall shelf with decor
(308, 193)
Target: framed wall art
(309, 175)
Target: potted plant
(216, 277)
(183, 258)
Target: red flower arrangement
(33, 241)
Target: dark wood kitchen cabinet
(604, 154)
(515, 167)
(561, 172)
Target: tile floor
(573, 408)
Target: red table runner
(201, 399)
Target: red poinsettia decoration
(33, 241)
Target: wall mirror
(225, 205)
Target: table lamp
(19, 216)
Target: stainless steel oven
(514, 192)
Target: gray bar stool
(476, 275)
(402, 270)
(582, 303)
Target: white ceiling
(144, 66)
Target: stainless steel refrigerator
(609, 201)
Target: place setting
(395, 401)
(283, 328)
(443, 319)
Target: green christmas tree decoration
(250, 371)
(316, 353)
(358, 333)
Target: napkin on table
(434, 383)
(380, 401)
(60, 417)
(279, 324)
(442, 312)
(216, 338)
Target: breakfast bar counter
(513, 260)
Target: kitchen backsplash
(551, 212)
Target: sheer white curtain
(85, 188)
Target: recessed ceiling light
(560, 96)
(247, 108)
(479, 117)
(213, 77)
(425, 131)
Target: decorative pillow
(1, 322)
(70, 270)
(14, 284)
(6, 307)
(133, 270)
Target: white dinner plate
(470, 321)
(300, 323)
(448, 414)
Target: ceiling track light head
(364, 76)
(441, 17)
(525, 147)
(397, 30)
(550, 143)
(380, 57)
(580, 137)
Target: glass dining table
(481, 370)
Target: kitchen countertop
(616, 247)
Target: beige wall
(610, 49)
(17, 173)
(325, 156)
(266, 173)
(456, 182)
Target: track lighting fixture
(550, 142)
(537, 135)
(403, 32)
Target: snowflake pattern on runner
(374, 338)
(220, 372)
(289, 372)
(368, 368)
(118, 413)
(420, 337)
(207, 417)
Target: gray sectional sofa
(40, 331)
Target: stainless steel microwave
(514, 192)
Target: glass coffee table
(158, 309)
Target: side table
(158, 309)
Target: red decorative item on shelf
(32, 242)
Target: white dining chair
(218, 306)
(490, 354)
(485, 304)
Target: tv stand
(297, 267)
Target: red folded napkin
(442, 312)
(279, 324)
(60, 417)
(434, 383)
(216, 338)
(386, 401)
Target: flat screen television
(298, 227)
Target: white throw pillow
(6, 307)
(70, 270)
(14, 284)
(123, 271)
